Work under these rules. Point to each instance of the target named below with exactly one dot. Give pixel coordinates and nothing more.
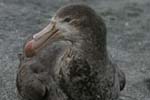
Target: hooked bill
(29, 49)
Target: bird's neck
(92, 50)
(96, 51)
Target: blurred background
(128, 28)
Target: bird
(68, 59)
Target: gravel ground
(128, 23)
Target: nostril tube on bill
(45, 31)
(40, 39)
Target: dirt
(128, 24)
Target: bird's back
(91, 81)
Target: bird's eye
(67, 19)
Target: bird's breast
(55, 55)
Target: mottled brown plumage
(70, 60)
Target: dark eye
(67, 19)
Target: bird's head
(70, 22)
